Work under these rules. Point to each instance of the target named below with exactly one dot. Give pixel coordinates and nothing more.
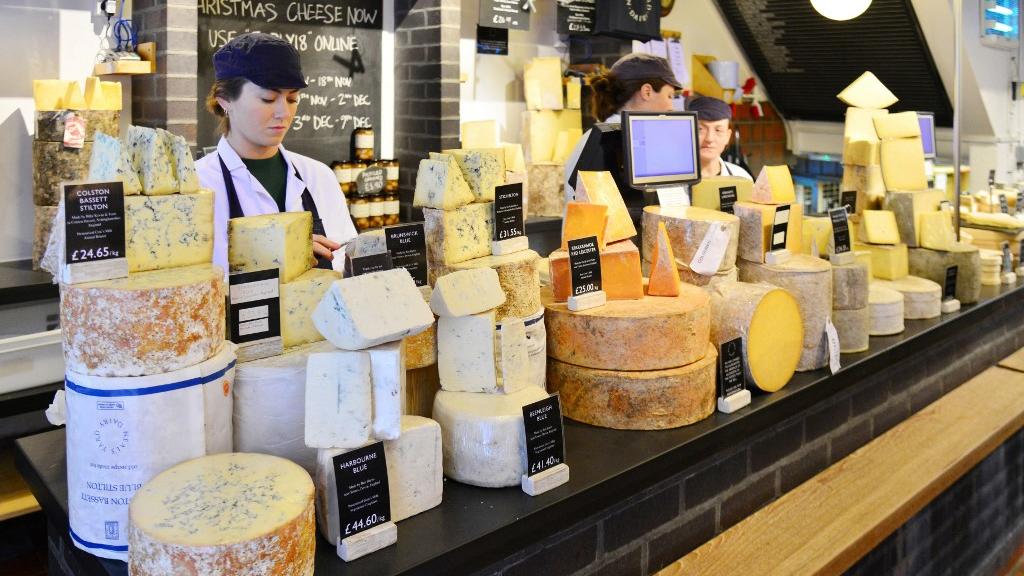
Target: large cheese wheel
(654, 333)
(885, 307)
(518, 274)
(809, 279)
(849, 286)
(691, 277)
(687, 226)
(147, 323)
(224, 515)
(50, 124)
(768, 319)
(933, 264)
(853, 327)
(922, 298)
(647, 400)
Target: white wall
(39, 39)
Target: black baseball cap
(640, 66)
(709, 108)
(265, 60)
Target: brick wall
(167, 98)
(426, 83)
(650, 530)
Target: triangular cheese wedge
(94, 94)
(774, 185)
(49, 94)
(868, 92)
(73, 97)
(664, 279)
(583, 220)
(440, 184)
(600, 188)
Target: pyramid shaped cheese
(73, 97)
(664, 275)
(583, 220)
(868, 92)
(600, 188)
(774, 185)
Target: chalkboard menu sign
(339, 42)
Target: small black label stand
(545, 446)
(777, 253)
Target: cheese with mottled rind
(774, 185)
(299, 298)
(909, 207)
(50, 125)
(933, 265)
(545, 189)
(147, 323)
(849, 286)
(756, 224)
(44, 220)
(809, 280)
(339, 399)
(519, 276)
(867, 182)
(687, 226)
(223, 515)
(466, 292)
(922, 298)
(708, 192)
(853, 327)
(458, 235)
(364, 311)
(53, 164)
(768, 320)
(621, 278)
(647, 400)
(600, 188)
(283, 240)
(631, 334)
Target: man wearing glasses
(713, 117)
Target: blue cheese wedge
(153, 161)
(483, 168)
(388, 375)
(458, 235)
(466, 292)
(168, 231)
(338, 399)
(110, 161)
(282, 240)
(298, 300)
(184, 165)
(440, 184)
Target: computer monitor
(927, 121)
(660, 149)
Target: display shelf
(475, 527)
(19, 283)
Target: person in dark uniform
(713, 118)
(255, 95)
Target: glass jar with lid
(359, 208)
(363, 145)
(376, 210)
(392, 207)
(345, 180)
(391, 176)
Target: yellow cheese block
(903, 164)
(664, 275)
(862, 152)
(540, 130)
(542, 78)
(774, 185)
(583, 220)
(708, 193)
(49, 94)
(878, 227)
(573, 94)
(937, 230)
(621, 278)
(867, 182)
(515, 161)
(867, 91)
(817, 231)
(480, 134)
(282, 241)
(74, 99)
(298, 300)
(860, 123)
(756, 222)
(600, 188)
(901, 125)
(111, 96)
(888, 262)
(630, 334)
(909, 206)
(768, 319)
(565, 143)
(93, 93)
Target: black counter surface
(19, 283)
(474, 527)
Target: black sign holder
(509, 220)
(407, 245)
(364, 502)
(254, 313)
(949, 302)
(585, 272)
(777, 252)
(545, 446)
(732, 380)
(94, 232)
(841, 253)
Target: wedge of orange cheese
(621, 278)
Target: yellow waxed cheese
(480, 134)
(540, 130)
(542, 78)
(867, 91)
(600, 188)
(903, 164)
(282, 241)
(49, 94)
(901, 125)
(708, 193)
(888, 262)
(878, 227)
(298, 300)
(937, 230)
(774, 185)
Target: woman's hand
(324, 247)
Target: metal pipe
(958, 39)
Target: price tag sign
(848, 200)
(407, 245)
(727, 198)
(834, 347)
(708, 258)
(576, 17)
(511, 14)
(364, 498)
(371, 181)
(1020, 202)
(254, 313)
(670, 196)
(949, 287)
(492, 41)
(780, 228)
(94, 231)
(731, 375)
(545, 443)
(1004, 204)
(508, 212)
(585, 265)
(840, 229)
(366, 264)
(74, 130)
(1007, 258)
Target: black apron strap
(318, 225)
(234, 207)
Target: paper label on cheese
(833, 346)
(712, 249)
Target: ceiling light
(840, 9)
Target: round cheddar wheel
(648, 400)
(654, 333)
(686, 227)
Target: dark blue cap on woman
(709, 108)
(264, 60)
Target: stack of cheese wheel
(224, 514)
(850, 312)
(809, 280)
(934, 265)
(991, 267)
(687, 227)
(768, 320)
(612, 368)
(886, 307)
(922, 299)
(867, 98)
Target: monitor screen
(661, 148)
(927, 121)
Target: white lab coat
(255, 200)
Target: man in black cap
(713, 117)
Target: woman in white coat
(255, 95)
